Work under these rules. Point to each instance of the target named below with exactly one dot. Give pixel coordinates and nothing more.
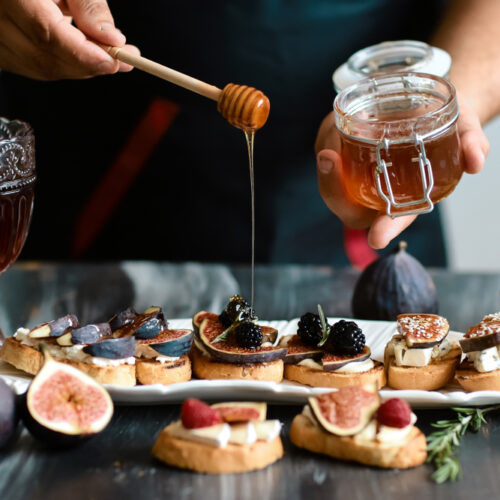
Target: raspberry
(196, 413)
(394, 412)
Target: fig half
(346, 411)
(64, 405)
(422, 330)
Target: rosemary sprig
(325, 327)
(442, 444)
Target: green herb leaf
(442, 444)
(224, 335)
(325, 327)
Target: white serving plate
(377, 334)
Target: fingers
(94, 18)
(329, 171)
(384, 229)
(473, 141)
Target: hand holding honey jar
(395, 144)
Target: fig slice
(112, 348)
(199, 317)
(297, 351)
(228, 351)
(422, 330)
(241, 411)
(346, 411)
(173, 343)
(482, 336)
(335, 361)
(54, 328)
(122, 318)
(139, 322)
(88, 334)
(64, 405)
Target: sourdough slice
(30, 360)
(322, 378)
(472, 380)
(410, 453)
(208, 368)
(426, 378)
(149, 371)
(201, 457)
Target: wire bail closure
(425, 174)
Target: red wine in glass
(17, 179)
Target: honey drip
(250, 136)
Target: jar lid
(388, 57)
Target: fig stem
(402, 245)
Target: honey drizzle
(250, 136)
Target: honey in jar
(399, 141)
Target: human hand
(37, 38)
(382, 228)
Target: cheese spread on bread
(354, 367)
(221, 435)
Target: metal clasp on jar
(425, 174)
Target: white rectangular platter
(377, 334)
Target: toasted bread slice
(201, 457)
(410, 453)
(30, 360)
(472, 380)
(209, 368)
(426, 378)
(149, 371)
(320, 378)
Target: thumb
(94, 18)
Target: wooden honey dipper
(243, 107)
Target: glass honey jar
(398, 141)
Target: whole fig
(394, 284)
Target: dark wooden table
(117, 464)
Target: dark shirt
(191, 198)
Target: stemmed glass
(17, 179)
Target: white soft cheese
(310, 363)
(486, 360)
(354, 367)
(394, 435)
(267, 430)
(368, 433)
(215, 435)
(406, 356)
(243, 434)
(284, 341)
(357, 366)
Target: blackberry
(233, 309)
(310, 331)
(345, 337)
(248, 334)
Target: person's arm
(38, 40)
(469, 32)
